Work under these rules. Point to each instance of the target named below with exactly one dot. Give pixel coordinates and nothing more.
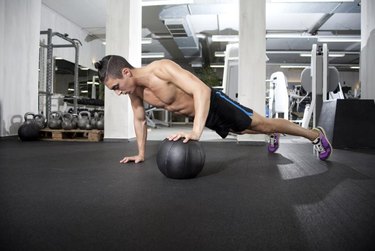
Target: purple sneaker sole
(323, 147)
(273, 145)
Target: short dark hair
(111, 66)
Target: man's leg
(273, 127)
(264, 125)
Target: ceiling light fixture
(219, 54)
(165, 2)
(309, 1)
(336, 55)
(331, 55)
(146, 40)
(286, 52)
(289, 35)
(293, 66)
(305, 55)
(355, 67)
(225, 38)
(217, 66)
(153, 55)
(339, 39)
(196, 65)
(322, 39)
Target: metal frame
(74, 43)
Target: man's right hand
(136, 159)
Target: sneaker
(273, 143)
(322, 145)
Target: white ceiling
(210, 17)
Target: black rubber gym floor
(76, 196)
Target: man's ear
(126, 72)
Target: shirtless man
(166, 85)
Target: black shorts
(227, 115)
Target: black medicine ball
(178, 160)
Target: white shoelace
(319, 147)
(272, 140)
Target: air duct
(176, 20)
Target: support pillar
(123, 37)
(252, 60)
(367, 74)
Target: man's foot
(322, 145)
(273, 143)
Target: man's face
(122, 85)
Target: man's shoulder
(162, 67)
(161, 62)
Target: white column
(367, 73)
(123, 37)
(19, 44)
(252, 60)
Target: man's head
(111, 70)
(111, 66)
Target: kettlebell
(74, 121)
(67, 121)
(100, 121)
(16, 121)
(29, 130)
(54, 121)
(40, 120)
(84, 120)
(94, 120)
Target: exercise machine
(230, 75)
(319, 80)
(278, 94)
(278, 101)
(151, 119)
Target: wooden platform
(72, 135)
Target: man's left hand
(186, 136)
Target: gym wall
(19, 49)
(88, 52)
(22, 21)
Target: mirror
(91, 94)
(88, 82)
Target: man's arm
(140, 126)
(200, 92)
